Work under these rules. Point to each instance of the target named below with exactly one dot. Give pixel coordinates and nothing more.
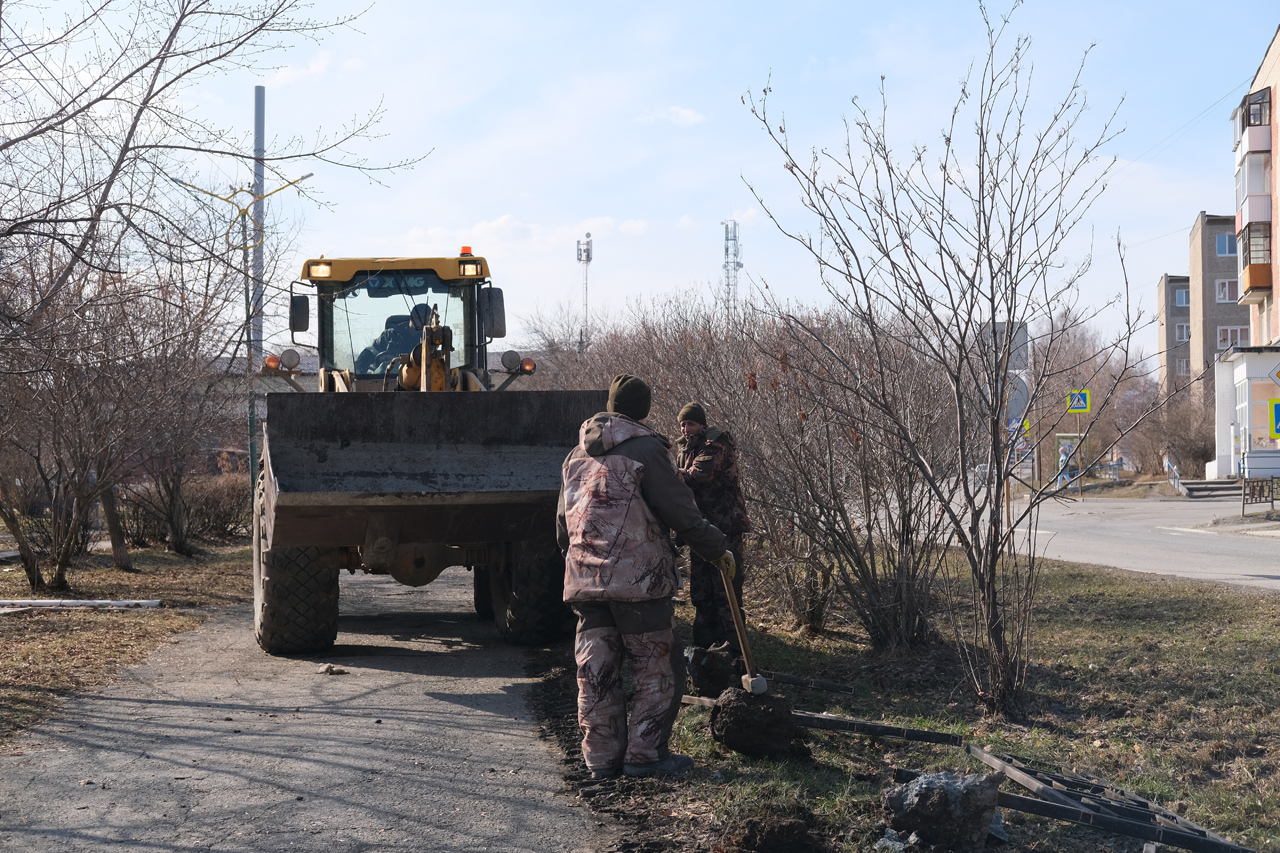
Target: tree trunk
(176, 516)
(29, 562)
(67, 545)
(120, 556)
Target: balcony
(1255, 283)
(1253, 140)
(1256, 208)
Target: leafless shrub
(142, 526)
(939, 260)
(834, 515)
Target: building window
(1255, 239)
(1182, 298)
(1255, 109)
(1182, 332)
(1226, 245)
(1228, 290)
(1184, 367)
(1233, 336)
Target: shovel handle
(738, 624)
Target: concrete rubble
(944, 809)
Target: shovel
(752, 682)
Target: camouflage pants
(639, 633)
(712, 619)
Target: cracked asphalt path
(424, 744)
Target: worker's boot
(672, 764)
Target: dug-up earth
(411, 735)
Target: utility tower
(584, 258)
(732, 263)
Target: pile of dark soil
(643, 807)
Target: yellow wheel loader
(412, 457)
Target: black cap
(692, 412)
(630, 396)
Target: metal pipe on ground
(78, 602)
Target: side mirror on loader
(493, 312)
(299, 312)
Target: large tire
(481, 592)
(295, 595)
(528, 594)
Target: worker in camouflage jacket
(707, 461)
(620, 498)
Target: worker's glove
(726, 564)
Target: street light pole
(259, 212)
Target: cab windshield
(368, 321)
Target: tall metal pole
(249, 362)
(259, 207)
(584, 257)
(254, 319)
(732, 264)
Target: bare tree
(95, 132)
(943, 260)
(100, 394)
(118, 284)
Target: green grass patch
(1168, 687)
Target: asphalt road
(424, 744)
(1202, 538)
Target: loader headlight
(527, 365)
(321, 270)
(289, 359)
(468, 268)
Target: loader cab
(371, 310)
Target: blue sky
(627, 121)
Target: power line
(1181, 130)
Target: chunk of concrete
(945, 809)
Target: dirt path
(425, 744)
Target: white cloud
(291, 74)
(686, 221)
(355, 63)
(680, 116)
(633, 227)
(746, 217)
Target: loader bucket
(445, 467)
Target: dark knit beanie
(693, 412)
(630, 396)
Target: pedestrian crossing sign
(1273, 406)
(1078, 402)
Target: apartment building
(1198, 317)
(1173, 323)
(1246, 377)
(1218, 321)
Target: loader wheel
(295, 595)
(481, 593)
(528, 594)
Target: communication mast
(732, 263)
(584, 258)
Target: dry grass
(1168, 687)
(51, 654)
